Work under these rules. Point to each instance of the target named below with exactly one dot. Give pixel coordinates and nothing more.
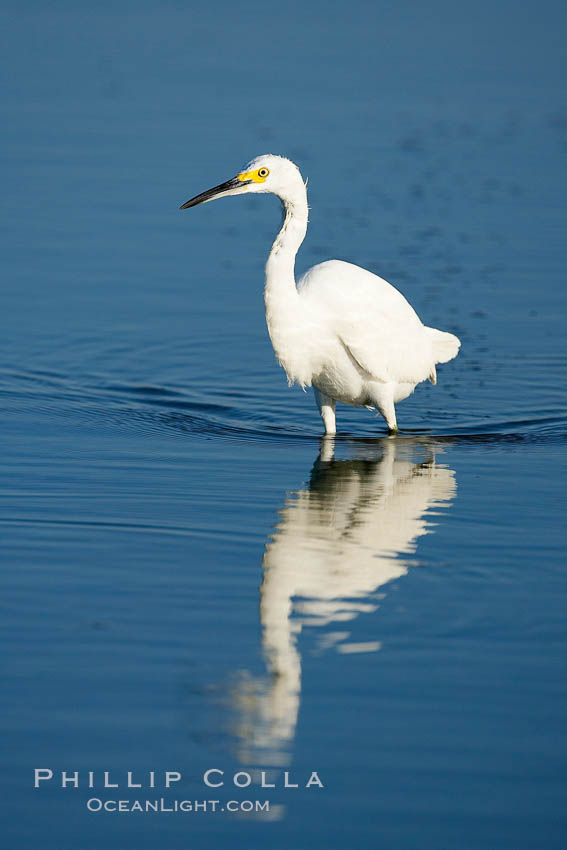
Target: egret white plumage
(341, 329)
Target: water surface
(192, 578)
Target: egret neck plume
(281, 297)
(341, 329)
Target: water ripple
(268, 411)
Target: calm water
(191, 578)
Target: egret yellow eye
(263, 172)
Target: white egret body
(341, 329)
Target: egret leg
(383, 397)
(326, 406)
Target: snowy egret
(341, 329)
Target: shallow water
(192, 578)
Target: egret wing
(378, 328)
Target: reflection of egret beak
(231, 187)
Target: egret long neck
(281, 298)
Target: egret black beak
(227, 188)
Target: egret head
(266, 173)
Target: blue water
(191, 578)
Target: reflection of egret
(343, 330)
(335, 544)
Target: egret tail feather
(445, 345)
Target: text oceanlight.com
(120, 781)
(95, 804)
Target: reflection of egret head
(353, 531)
